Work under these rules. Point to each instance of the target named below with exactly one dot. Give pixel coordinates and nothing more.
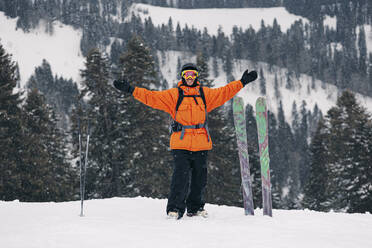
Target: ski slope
(141, 222)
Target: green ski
(241, 137)
(263, 141)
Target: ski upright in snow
(263, 142)
(241, 137)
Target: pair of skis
(241, 135)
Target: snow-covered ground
(212, 19)
(61, 49)
(141, 222)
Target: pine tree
(147, 152)
(287, 166)
(362, 52)
(340, 167)
(106, 173)
(262, 83)
(316, 189)
(369, 86)
(44, 171)
(302, 144)
(350, 167)
(58, 92)
(11, 130)
(276, 87)
(275, 168)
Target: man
(188, 104)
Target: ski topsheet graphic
(263, 142)
(241, 136)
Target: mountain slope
(61, 49)
(212, 19)
(141, 222)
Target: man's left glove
(248, 77)
(124, 86)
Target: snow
(141, 222)
(368, 31)
(331, 22)
(61, 49)
(212, 19)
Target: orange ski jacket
(189, 112)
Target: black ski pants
(188, 181)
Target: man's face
(190, 81)
(189, 76)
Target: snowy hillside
(141, 222)
(61, 49)
(212, 19)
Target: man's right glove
(248, 77)
(124, 86)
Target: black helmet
(189, 66)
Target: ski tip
(238, 104)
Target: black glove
(124, 86)
(248, 77)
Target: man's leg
(195, 200)
(180, 182)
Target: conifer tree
(45, 172)
(106, 171)
(147, 138)
(316, 193)
(275, 167)
(262, 83)
(362, 52)
(11, 134)
(59, 93)
(341, 159)
(350, 167)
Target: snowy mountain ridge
(213, 19)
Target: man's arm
(163, 100)
(218, 96)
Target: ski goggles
(189, 74)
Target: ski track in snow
(142, 222)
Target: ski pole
(81, 171)
(85, 168)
